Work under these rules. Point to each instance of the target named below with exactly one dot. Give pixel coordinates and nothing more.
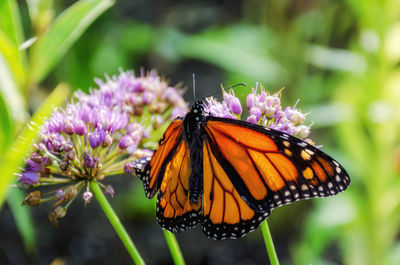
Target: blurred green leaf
(64, 31)
(227, 50)
(11, 36)
(22, 218)
(20, 148)
(336, 59)
(39, 10)
(6, 126)
(10, 22)
(14, 100)
(11, 54)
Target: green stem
(273, 258)
(116, 223)
(174, 248)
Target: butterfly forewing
(288, 168)
(151, 172)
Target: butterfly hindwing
(226, 214)
(174, 210)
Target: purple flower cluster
(98, 135)
(147, 93)
(264, 109)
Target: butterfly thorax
(193, 135)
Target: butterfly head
(197, 108)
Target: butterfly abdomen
(196, 163)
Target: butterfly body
(229, 174)
(193, 135)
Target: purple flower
(96, 137)
(252, 119)
(109, 190)
(80, 127)
(252, 99)
(148, 97)
(264, 109)
(256, 112)
(128, 168)
(60, 194)
(233, 103)
(89, 161)
(125, 142)
(217, 109)
(87, 196)
(294, 115)
(29, 178)
(303, 131)
(128, 91)
(178, 112)
(96, 134)
(107, 140)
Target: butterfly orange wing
(247, 171)
(226, 214)
(168, 173)
(151, 170)
(270, 167)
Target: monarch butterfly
(229, 174)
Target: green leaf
(62, 34)
(20, 148)
(10, 22)
(11, 37)
(22, 218)
(6, 126)
(14, 100)
(38, 9)
(226, 49)
(11, 54)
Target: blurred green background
(341, 58)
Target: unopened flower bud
(57, 213)
(95, 138)
(256, 112)
(29, 178)
(252, 119)
(63, 165)
(110, 191)
(36, 157)
(68, 127)
(148, 97)
(304, 131)
(128, 168)
(60, 195)
(70, 192)
(251, 100)
(87, 196)
(89, 161)
(33, 198)
(80, 127)
(233, 103)
(125, 142)
(107, 141)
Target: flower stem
(273, 258)
(116, 223)
(174, 248)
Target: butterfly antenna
(224, 89)
(194, 87)
(240, 84)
